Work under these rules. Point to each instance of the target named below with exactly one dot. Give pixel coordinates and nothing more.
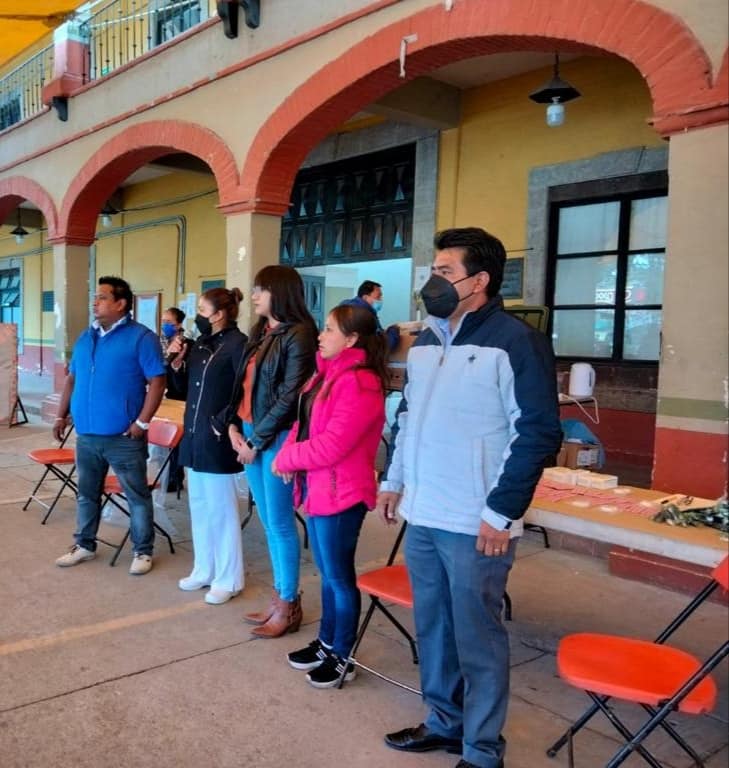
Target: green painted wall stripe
(684, 407)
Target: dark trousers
(463, 644)
(333, 540)
(128, 458)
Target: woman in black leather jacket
(278, 360)
(209, 373)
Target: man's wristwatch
(142, 424)
(249, 443)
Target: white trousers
(216, 536)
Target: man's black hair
(482, 252)
(367, 287)
(120, 288)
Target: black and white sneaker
(310, 657)
(327, 674)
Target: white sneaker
(220, 596)
(140, 565)
(75, 556)
(188, 584)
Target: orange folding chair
(165, 434)
(660, 678)
(54, 460)
(391, 584)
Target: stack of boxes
(580, 477)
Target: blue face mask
(377, 305)
(169, 330)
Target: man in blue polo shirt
(115, 384)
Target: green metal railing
(20, 90)
(115, 34)
(123, 30)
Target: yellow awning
(23, 23)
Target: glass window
(588, 228)
(609, 304)
(589, 280)
(644, 284)
(583, 332)
(642, 337)
(648, 223)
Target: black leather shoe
(420, 739)
(466, 764)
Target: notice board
(512, 286)
(8, 372)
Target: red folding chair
(166, 434)
(59, 462)
(659, 678)
(391, 584)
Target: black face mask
(440, 297)
(203, 324)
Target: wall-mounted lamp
(106, 213)
(19, 232)
(555, 93)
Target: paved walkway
(99, 668)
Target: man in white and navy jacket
(478, 420)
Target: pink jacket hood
(344, 432)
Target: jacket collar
(470, 320)
(347, 358)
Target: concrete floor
(99, 668)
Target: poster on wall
(8, 372)
(147, 309)
(512, 286)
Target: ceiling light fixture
(555, 93)
(106, 213)
(19, 232)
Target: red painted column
(70, 61)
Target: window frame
(623, 190)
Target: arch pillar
(691, 420)
(71, 303)
(252, 242)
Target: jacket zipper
(202, 387)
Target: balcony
(111, 34)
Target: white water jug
(582, 380)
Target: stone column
(691, 422)
(252, 242)
(71, 303)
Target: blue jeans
(333, 541)
(275, 502)
(463, 645)
(128, 458)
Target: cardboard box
(575, 455)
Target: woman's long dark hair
(352, 319)
(287, 298)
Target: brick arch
(662, 48)
(125, 153)
(15, 189)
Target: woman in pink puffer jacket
(331, 453)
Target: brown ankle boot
(286, 618)
(261, 617)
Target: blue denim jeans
(275, 502)
(463, 645)
(128, 458)
(333, 541)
